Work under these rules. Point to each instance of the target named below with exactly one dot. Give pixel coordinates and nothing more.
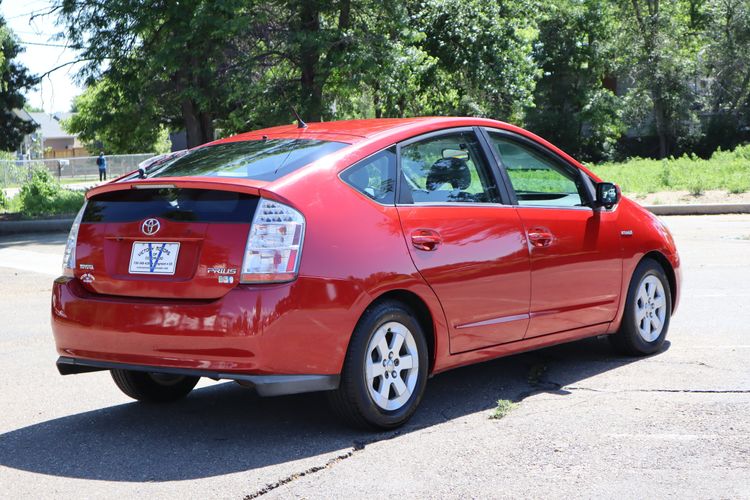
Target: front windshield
(260, 160)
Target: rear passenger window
(449, 168)
(375, 177)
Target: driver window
(536, 179)
(450, 168)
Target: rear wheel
(153, 387)
(647, 312)
(385, 370)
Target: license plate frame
(154, 258)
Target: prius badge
(150, 227)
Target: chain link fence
(13, 173)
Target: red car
(355, 257)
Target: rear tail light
(69, 257)
(274, 244)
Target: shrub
(43, 195)
(695, 187)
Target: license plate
(153, 257)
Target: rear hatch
(164, 241)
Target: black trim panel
(265, 385)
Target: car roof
(371, 134)
(354, 131)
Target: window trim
(551, 155)
(401, 197)
(396, 184)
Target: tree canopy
(14, 80)
(580, 72)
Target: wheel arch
(421, 311)
(662, 260)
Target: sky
(56, 92)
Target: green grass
(725, 170)
(504, 406)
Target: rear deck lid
(165, 241)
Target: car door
(576, 257)
(468, 245)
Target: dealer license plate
(153, 257)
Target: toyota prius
(357, 258)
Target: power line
(46, 44)
(36, 12)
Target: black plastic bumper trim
(265, 385)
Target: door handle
(540, 238)
(426, 239)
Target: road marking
(26, 260)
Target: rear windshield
(182, 205)
(260, 160)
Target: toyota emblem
(150, 227)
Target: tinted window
(261, 160)
(375, 177)
(448, 168)
(193, 205)
(536, 178)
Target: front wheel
(153, 387)
(648, 309)
(385, 370)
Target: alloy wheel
(650, 308)
(391, 366)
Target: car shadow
(224, 428)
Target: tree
(180, 53)
(240, 64)
(572, 108)
(726, 73)
(484, 55)
(14, 79)
(116, 117)
(659, 53)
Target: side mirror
(607, 194)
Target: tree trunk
(198, 126)
(662, 129)
(311, 88)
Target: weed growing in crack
(504, 406)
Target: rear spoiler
(248, 186)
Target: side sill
(265, 385)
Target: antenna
(300, 122)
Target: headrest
(453, 171)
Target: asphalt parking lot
(587, 423)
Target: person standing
(101, 162)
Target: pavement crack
(688, 391)
(358, 446)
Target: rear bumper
(286, 330)
(265, 385)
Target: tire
(153, 387)
(647, 313)
(387, 340)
